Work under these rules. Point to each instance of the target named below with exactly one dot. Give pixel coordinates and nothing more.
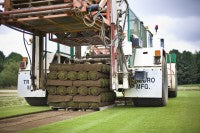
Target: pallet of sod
(86, 80)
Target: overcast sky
(178, 20)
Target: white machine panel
(145, 57)
(24, 86)
(127, 47)
(149, 88)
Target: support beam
(37, 68)
(78, 52)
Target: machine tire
(148, 102)
(172, 94)
(156, 102)
(36, 101)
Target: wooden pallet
(80, 41)
(102, 107)
(20, 4)
(49, 16)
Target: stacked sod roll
(79, 86)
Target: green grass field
(189, 87)
(20, 110)
(13, 105)
(181, 115)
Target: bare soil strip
(35, 120)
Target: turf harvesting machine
(108, 50)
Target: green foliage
(9, 67)
(13, 57)
(9, 74)
(188, 69)
(2, 58)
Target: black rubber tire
(156, 102)
(36, 101)
(148, 102)
(172, 94)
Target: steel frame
(23, 18)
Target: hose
(26, 43)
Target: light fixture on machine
(157, 57)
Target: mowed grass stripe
(182, 115)
(20, 110)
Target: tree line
(9, 67)
(188, 68)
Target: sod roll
(59, 98)
(103, 97)
(62, 104)
(83, 91)
(104, 68)
(54, 104)
(62, 75)
(59, 82)
(94, 75)
(72, 75)
(73, 104)
(108, 96)
(95, 91)
(61, 90)
(52, 75)
(94, 105)
(89, 83)
(83, 105)
(65, 67)
(53, 67)
(80, 67)
(72, 91)
(51, 90)
(82, 75)
(107, 82)
(92, 67)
